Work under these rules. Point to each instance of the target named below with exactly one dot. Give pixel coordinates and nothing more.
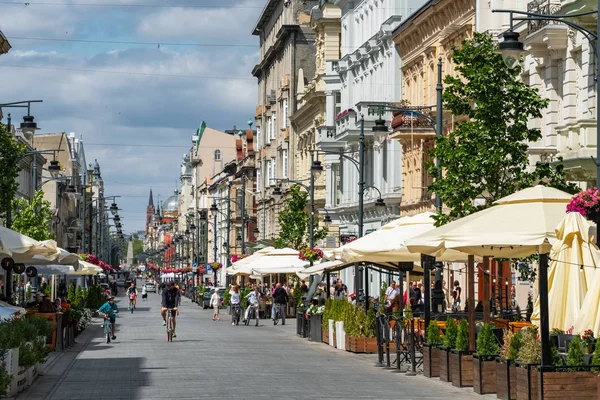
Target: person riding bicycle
(252, 299)
(235, 301)
(110, 309)
(170, 299)
(132, 294)
(280, 298)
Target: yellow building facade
(426, 35)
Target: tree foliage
(485, 157)
(138, 246)
(294, 222)
(32, 218)
(11, 153)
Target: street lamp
(511, 50)
(114, 209)
(54, 169)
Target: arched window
(217, 155)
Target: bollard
(413, 364)
(379, 336)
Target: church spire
(151, 200)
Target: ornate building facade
(286, 58)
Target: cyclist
(132, 291)
(170, 299)
(110, 309)
(252, 302)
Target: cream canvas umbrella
(238, 267)
(567, 283)
(516, 226)
(319, 269)
(22, 248)
(86, 268)
(388, 243)
(278, 261)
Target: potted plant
(431, 356)
(461, 359)
(588, 341)
(484, 364)
(449, 342)
(315, 320)
(586, 203)
(312, 255)
(506, 374)
(528, 359)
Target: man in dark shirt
(170, 299)
(303, 288)
(280, 298)
(37, 301)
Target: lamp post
(214, 210)
(511, 49)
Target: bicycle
(170, 319)
(132, 302)
(107, 328)
(277, 311)
(235, 313)
(252, 313)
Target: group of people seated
(45, 305)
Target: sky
(134, 79)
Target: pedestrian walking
(215, 303)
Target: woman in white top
(215, 301)
(144, 293)
(234, 301)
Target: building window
(258, 142)
(274, 126)
(258, 181)
(284, 163)
(338, 103)
(217, 155)
(268, 134)
(284, 106)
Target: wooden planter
(484, 374)
(361, 344)
(461, 368)
(506, 379)
(431, 361)
(527, 381)
(325, 335)
(556, 383)
(444, 357)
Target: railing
(547, 7)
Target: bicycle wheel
(107, 331)
(169, 329)
(131, 305)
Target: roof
(408, 21)
(4, 45)
(264, 16)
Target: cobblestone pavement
(220, 361)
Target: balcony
(544, 36)
(411, 125)
(547, 7)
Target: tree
(11, 153)
(33, 218)
(294, 222)
(485, 157)
(138, 246)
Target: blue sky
(173, 89)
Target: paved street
(216, 360)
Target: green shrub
(5, 380)
(327, 314)
(596, 356)
(433, 334)
(555, 357)
(226, 298)
(243, 295)
(94, 297)
(575, 355)
(370, 322)
(515, 346)
(71, 294)
(462, 336)
(27, 355)
(451, 332)
(486, 341)
(507, 337)
(531, 348)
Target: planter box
(315, 328)
(461, 368)
(527, 381)
(431, 361)
(325, 335)
(361, 344)
(506, 379)
(558, 383)
(340, 335)
(11, 364)
(299, 325)
(22, 379)
(484, 374)
(444, 357)
(331, 331)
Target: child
(144, 293)
(214, 302)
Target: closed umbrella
(567, 283)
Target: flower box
(527, 381)
(484, 374)
(315, 321)
(461, 368)
(506, 379)
(558, 382)
(444, 357)
(431, 361)
(361, 345)
(11, 364)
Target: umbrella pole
(544, 320)
(426, 264)
(471, 300)
(486, 290)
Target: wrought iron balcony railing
(547, 7)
